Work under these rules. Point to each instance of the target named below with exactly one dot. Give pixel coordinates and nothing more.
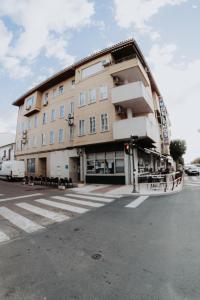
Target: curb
(154, 194)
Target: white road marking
(3, 237)
(43, 212)
(100, 195)
(93, 204)
(19, 221)
(79, 210)
(91, 198)
(20, 197)
(137, 202)
(192, 184)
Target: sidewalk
(124, 190)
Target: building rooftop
(6, 138)
(127, 45)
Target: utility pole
(129, 150)
(133, 141)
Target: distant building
(7, 146)
(75, 123)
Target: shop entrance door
(74, 169)
(43, 166)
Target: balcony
(130, 71)
(32, 104)
(133, 95)
(143, 127)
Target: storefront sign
(164, 115)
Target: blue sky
(54, 34)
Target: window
(44, 118)
(45, 100)
(31, 165)
(61, 135)
(60, 90)
(91, 70)
(71, 108)
(119, 165)
(71, 133)
(44, 139)
(105, 163)
(104, 122)
(54, 93)
(52, 137)
(103, 92)
(92, 95)
(92, 125)
(62, 111)
(29, 123)
(30, 101)
(73, 82)
(81, 127)
(20, 110)
(35, 121)
(119, 162)
(34, 141)
(82, 99)
(53, 115)
(91, 167)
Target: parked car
(12, 169)
(187, 167)
(192, 172)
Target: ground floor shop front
(101, 163)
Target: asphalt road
(112, 252)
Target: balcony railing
(138, 126)
(133, 95)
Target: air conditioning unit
(28, 107)
(70, 119)
(45, 103)
(116, 79)
(106, 62)
(120, 110)
(24, 135)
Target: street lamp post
(132, 146)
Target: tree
(196, 161)
(177, 149)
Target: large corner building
(75, 123)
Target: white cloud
(8, 122)
(9, 63)
(179, 83)
(139, 12)
(42, 26)
(56, 47)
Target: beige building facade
(75, 123)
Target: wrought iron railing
(160, 182)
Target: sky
(41, 37)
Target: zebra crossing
(30, 216)
(192, 182)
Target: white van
(12, 169)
